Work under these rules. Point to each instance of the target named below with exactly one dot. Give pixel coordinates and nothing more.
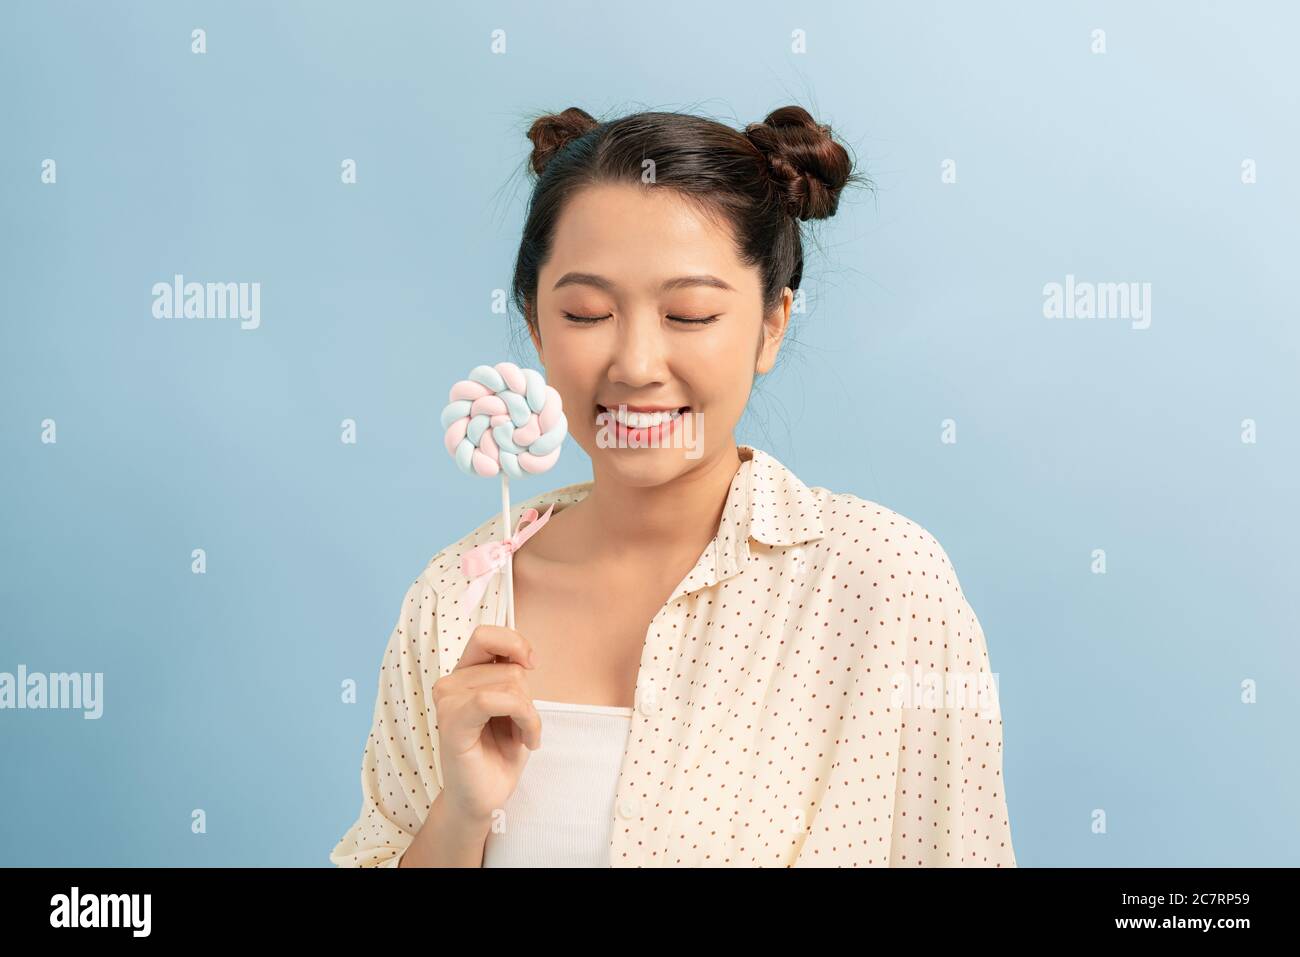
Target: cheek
(720, 359)
(718, 372)
(572, 361)
(578, 382)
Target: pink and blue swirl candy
(504, 419)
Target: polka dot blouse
(815, 693)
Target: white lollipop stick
(502, 420)
(508, 585)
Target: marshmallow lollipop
(503, 420)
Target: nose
(640, 356)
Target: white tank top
(560, 813)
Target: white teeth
(643, 420)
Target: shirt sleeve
(950, 807)
(400, 775)
(915, 779)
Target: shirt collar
(782, 510)
(766, 502)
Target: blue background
(222, 691)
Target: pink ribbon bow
(481, 562)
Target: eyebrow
(608, 285)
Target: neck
(683, 513)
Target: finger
(488, 641)
(479, 706)
(491, 673)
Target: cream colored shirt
(815, 692)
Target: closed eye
(688, 320)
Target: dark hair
(763, 181)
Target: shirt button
(628, 807)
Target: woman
(713, 664)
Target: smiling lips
(643, 418)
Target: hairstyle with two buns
(763, 181)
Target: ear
(774, 326)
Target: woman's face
(640, 262)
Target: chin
(642, 467)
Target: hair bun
(807, 166)
(553, 132)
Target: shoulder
(856, 538)
(891, 573)
(884, 545)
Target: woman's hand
(486, 723)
